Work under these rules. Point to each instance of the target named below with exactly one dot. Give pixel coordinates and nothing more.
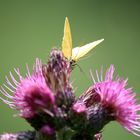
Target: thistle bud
(57, 75)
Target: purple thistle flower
(31, 94)
(47, 130)
(79, 107)
(98, 136)
(8, 137)
(118, 100)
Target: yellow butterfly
(73, 55)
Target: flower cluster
(45, 98)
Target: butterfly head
(72, 64)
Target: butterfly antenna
(81, 70)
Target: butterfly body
(73, 55)
(73, 64)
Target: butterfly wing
(67, 40)
(79, 52)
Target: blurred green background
(30, 28)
